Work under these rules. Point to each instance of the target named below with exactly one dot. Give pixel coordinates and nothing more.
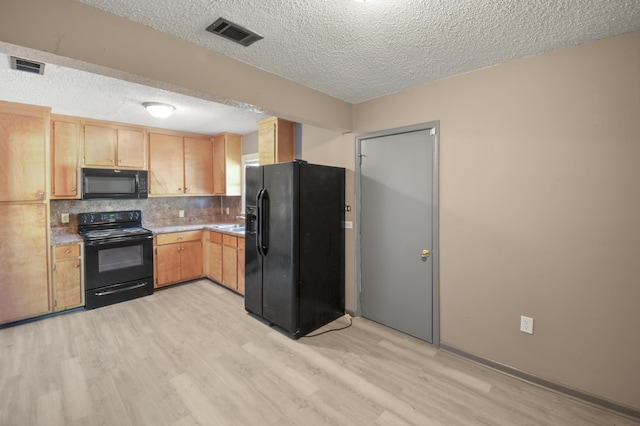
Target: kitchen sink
(232, 227)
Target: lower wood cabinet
(24, 280)
(178, 257)
(241, 265)
(214, 245)
(226, 260)
(68, 283)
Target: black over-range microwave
(114, 184)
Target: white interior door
(397, 236)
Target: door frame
(434, 128)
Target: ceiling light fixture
(159, 110)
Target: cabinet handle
(77, 265)
(67, 251)
(186, 189)
(180, 237)
(179, 189)
(40, 195)
(73, 189)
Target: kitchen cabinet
(113, 146)
(24, 135)
(178, 257)
(241, 253)
(230, 261)
(198, 166)
(24, 281)
(226, 260)
(214, 246)
(65, 151)
(276, 141)
(68, 288)
(180, 165)
(227, 164)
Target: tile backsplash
(156, 212)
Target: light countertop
(76, 238)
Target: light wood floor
(190, 355)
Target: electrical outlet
(180, 213)
(64, 217)
(227, 210)
(526, 324)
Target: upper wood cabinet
(276, 140)
(227, 164)
(198, 166)
(24, 132)
(65, 150)
(180, 165)
(24, 284)
(166, 164)
(113, 146)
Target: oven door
(109, 262)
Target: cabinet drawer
(229, 240)
(241, 243)
(178, 237)
(68, 251)
(215, 237)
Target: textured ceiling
(82, 94)
(346, 49)
(359, 51)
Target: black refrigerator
(294, 258)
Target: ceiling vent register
(233, 32)
(27, 65)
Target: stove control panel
(109, 217)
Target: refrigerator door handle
(259, 222)
(263, 222)
(262, 239)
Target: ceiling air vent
(27, 65)
(233, 32)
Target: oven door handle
(104, 293)
(118, 240)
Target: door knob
(425, 253)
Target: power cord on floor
(333, 329)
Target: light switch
(64, 217)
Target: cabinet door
(227, 164)
(219, 165)
(230, 266)
(191, 260)
(24, 285)
(267, 143)
(166, 164)
(131, 152)
(22, 149)
(67, 284)
(99, 146)
(215, 256)
(64, 135)
(198, 166)
(241, 265)
(168, 264)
